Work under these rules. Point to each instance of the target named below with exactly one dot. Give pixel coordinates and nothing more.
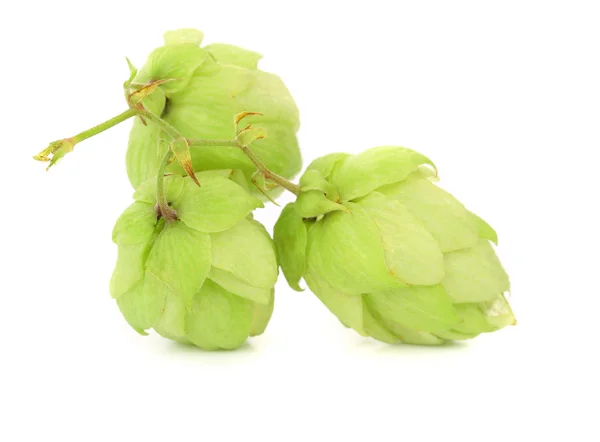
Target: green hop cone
(199, 91)
(205, 278)
(391, 254)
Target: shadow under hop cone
(391, 254)
(205, 278)
(204, 88)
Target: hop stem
(161, 199)
(272, 176)
(58, 149)
(166, 127)
(103, 126)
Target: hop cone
(203, 89)
(206, 278)
(391, 254)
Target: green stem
(170, 130)
(103, 126)
(286, 184)
(61, 147)
(223, 143)
(161, 198)
(272, 176)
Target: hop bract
(200, 91)
(391, 254)
(206, 278)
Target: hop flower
(199, 91)
(391, 254)
(205, 278)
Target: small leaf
(440, 213)
(290, 236)
(181, 150)
(247, 253)
(412, 254)
(143, 305)
(129, 269)
(228, 54)
(375, 327)
(345, 249)
(484, 230)
(145, 150)
(174, 185)
(453, 335)
(181, 258)
(498, 313)
(263, 186)
(219, 319)
(472, 320)
(143, 91)
(409, 336)
(216, 206)
(132, 73)
(327, 164)
(360, 174)
(239, 117)
(135, 225)
(475, 274)
(183, 36)
(261, 315)
(313, 180)
(420, 308)
(314, 203)
(239, 178)
(347, 308)
(171, 323)
(177, 63)
(391, 332)
(238, 287)
(250, 134)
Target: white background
(503, 96)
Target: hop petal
(440, 213)
(475, 274)
(348, 308)
(181, 259)
(422, 308)
(218, 205)
(412, 254)
(314, 203)
(144, 303)
(261, 316)
(228, 54)
(183, 36)
(219, 319)
(345, 248)
(174, 62)
(247, 253)
(290, 237)
(357, 175)
(327, 164)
